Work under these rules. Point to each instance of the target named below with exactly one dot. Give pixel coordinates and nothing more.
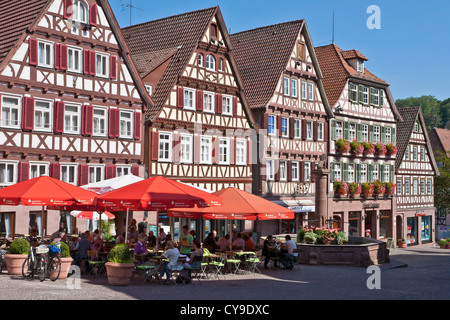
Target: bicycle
(44, 261)
(33, 261)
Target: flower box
(380, 149)
(391, 150)
(379, 188)
(356, 148)
(354, 189)
(342, 146)
(390, 188)
(367, 189)
(340, 188)
(369, 148)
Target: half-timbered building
(365, 117)
(283, 85)
(415, 170)
(198, 129)
(71, 101)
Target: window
(388, 134)
(320, 131)
(210, 62)
(205, 150)
(165, 147)
(271, 129)
(123, 170)
(416, 127)
(283, 170)
(69, 173)
(360, 66)
(374, 97)
(241, 152)
(297, 128)
(149, 89)
(399, 187)
(96, 173)
(311, 91)
(309, 130)
(270, 174)
(285, 127)
(80, 12)
(365, 95)
(102, 63)
(415, 187)
(352, 131)
(304, 93)
(407, 153)
(308, 171)
(295, 171)
(375, 175)
(11, 112)
(227, 107)
(75, 60)
(422, 187)
(364, 132)
(376, 133)
(7, 173)
(208, 102)
(415, 155)
(351, 172)
(301, 53)
(42, 116)
(126, 124)
(286, 87)
(100, 120)
(224, 151)
(294, 88)
(221, 65)
(363, 172)
(353, 92)
(189, 98)
(186, 149)
(422, 154)
(72, 119)
(339, 130)
(337, 171)
(200, 60)
(429, 187)
(386, 171)
(38, 169)
(45, 54)
(407, 187)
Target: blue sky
(410, 51)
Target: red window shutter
(197, 149)
(137, 125)
(27, 113)
(68, 9)
(325, 131)
(113, 69)
(279, 125)
(302, 171)
(315, 131)
(24, 171)
(199, 100)
(304, 122)
(57, 56)
(110, 171)
(219, 102)
(33, 51)
(64, 57)
(155, 146)
(92, 63)
(88, 118)
(180, 97)
(86, 58)
(113, 123)
(265, 124)
(176, 148)
(83, 174)
(289, 170)
(135, 170)
(234, 106)
(58, 125)
(93, 15)
(215, 150)
(55, 171)
(291, 128)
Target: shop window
(385, 219)
(354, 221)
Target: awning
(297, 205)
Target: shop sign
(371, 205)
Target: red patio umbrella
(157, 194)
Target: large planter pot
(65, 265)
(119, 274)
(401, 244)
(14, 263)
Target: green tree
(430, 109)
(442, 184)
(444, 112)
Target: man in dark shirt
(142, 226)
(210, 242)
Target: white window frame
(337, 171)
(309, 130)
(388, 131)
(200, 60)
(376, 97)
(376, 133)
(274, 125)
(285, 127)
(320, 131)
(72, 59)
(429, 186)
(186, 147)
(297, 129)
(422, 154)
(96, 169)
(167, 147)
(339, 127)
(364, 132)
(43, 110)
(423, 187)
(415, 153)
(149, 89)
(209, 102)
(283, 170)
(307, 171)
(123, 170)
(353, 92)
(270, 169)
(10, 108)
(43, 46)
(407, 187)
(210, 63)
(375, 172)
(70, 129)
(399, 187)
(365, 95)
(205, 149)
(39, 166)
(241, 152)
(128, 132)
(227, 105)
(77, 6)
(189, 98)
(415, 187)
(386, 173)
(9, 165)
(408, 153)
(65, 176)
(294, 88)
(220, 66)
(100, 119)
(352, 131)
(304, 90)
(102, 66)
(286, 83)
(224, 151)
(295, 171)
(360, 66)
(363, 172)
(351, 172)
(310, 91)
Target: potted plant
(369, 148)
(356, 148)
(380, 149)
(340, 188)
(354, 189)
(341, 238)
(18, 253)
(66, 260)
(379, 188)
(310, 237)
(401, 243)
(390, 188)
(120, 267)
(443, 244)
(342, 146)
(391, 150)
(367, 189)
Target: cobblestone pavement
(414, 273)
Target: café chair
(232, 262)
(95, 263)
(145, 269)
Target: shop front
(419, 228)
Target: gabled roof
(20, 15)
(262, 55)
(353, 54)
(337, 71)
(404, 131)
(440, 139)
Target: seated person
(120, 239)
(210, 242)
(224, 243)
(164, 242)
(151, 238)
(132, 235)
(268, 251)
(32, 238)
(239, 242)
(288, 258)
(195, 261)
(249, 243)
(140, 249)
(97, 246)
(83, 245)
(172, 254)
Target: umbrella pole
(231, 234)
(126, 225)
(157, 223)
(100, 228)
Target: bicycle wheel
(28, 267)
(41, 268)
(54, 268)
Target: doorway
(399, 223)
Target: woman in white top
(172, 254)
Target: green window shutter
(360, 93)
(391, 173)
(358, 173)
(371, 133)
(346, 130)
(381, 173)
(371, 98)
(394, 141)
(350, 85)
(383, 134)
(381, 97)
(359, 132)
(370, 169)
(332, 172)
(333, 129)
(345, 171)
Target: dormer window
(80, 12)
(360, 66)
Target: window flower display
(380, 149)
(369, 148)
(356, 148)
(340, 188)
(391, 149)
(342, 146)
